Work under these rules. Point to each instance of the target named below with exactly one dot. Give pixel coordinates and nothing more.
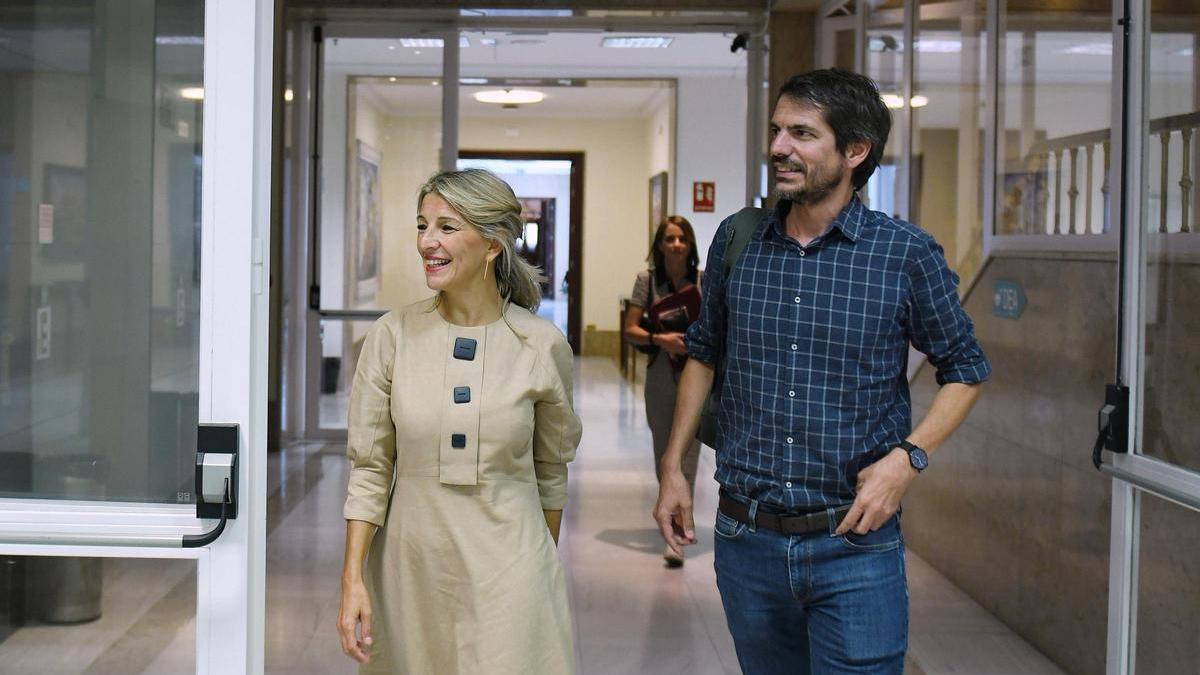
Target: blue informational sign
(1008, 301)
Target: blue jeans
(813, 603)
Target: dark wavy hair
(851, 105)
(656, 256)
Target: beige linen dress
(463, 576)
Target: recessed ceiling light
(392, 47)
(1090, 49)
(192, 93)
(640, 42)
(511, 97)
(391, 79)
(430, 43)
(288, 95)
(435, 83)
(192, 40)
(939, 46)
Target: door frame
(235, 223)
(1133, 473)
(575, 229)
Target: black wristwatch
(916, 455)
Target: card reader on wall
(216, 479)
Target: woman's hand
(671, 342)
(356, 610)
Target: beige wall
(617, 159)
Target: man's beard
(818, 184)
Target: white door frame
(1134, 473)
(235, 222)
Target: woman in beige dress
(461, 426)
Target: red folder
(675, 312)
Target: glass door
(382, 117)
(134, 178)
(1155, 559)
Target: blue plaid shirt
(816, 345)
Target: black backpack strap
(741, 228)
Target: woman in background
(458, 471)
(674, 268)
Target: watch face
(918, 458)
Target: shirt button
(789, 439)
(792, 394)
(795, 347)
(801, 253)
(788, 484)
(797, 299)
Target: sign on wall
(704, 197)
(1008, 300)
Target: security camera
(739, 42)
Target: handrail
(1157, 126)
(1156, 477)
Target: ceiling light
(430, 43)
(391, 79)
(191, 40)
(1186, 51)
(472, 80)
(192, 93)
(640, 42)
(435, 83)
(1090, 49)
(288, 95)
(510, 97)
(895, 102)
(939, 46)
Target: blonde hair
(489, 205)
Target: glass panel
(392, 137)
(100, 131)
(1168, 597)
(885, 65)
(1172, 387)
(1055, 92)
(948, 107)
(339, 358)
(97, 615)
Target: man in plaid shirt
(815, 447)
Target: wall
(1011, 509)
(711, 146)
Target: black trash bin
(68, 590)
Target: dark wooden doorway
(570, 270)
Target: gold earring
(486, 265)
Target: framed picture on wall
(365, 226)
(658, 203)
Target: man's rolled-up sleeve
(939, 326)
(371, 433)
(705, 337)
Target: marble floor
(632, 615)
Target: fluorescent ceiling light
(939, 46)
(431, 43)
(192, 93)
(1090, 49)
(641, 42)
(487, 42)
(472, 80)
(510, 96)
(894, 101)
(179, 40)
(1186, 51)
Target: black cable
(201, 540)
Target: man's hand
(673, 343)
(880, 488)
(673, 512)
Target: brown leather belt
(783, 523)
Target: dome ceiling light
(510, 98)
